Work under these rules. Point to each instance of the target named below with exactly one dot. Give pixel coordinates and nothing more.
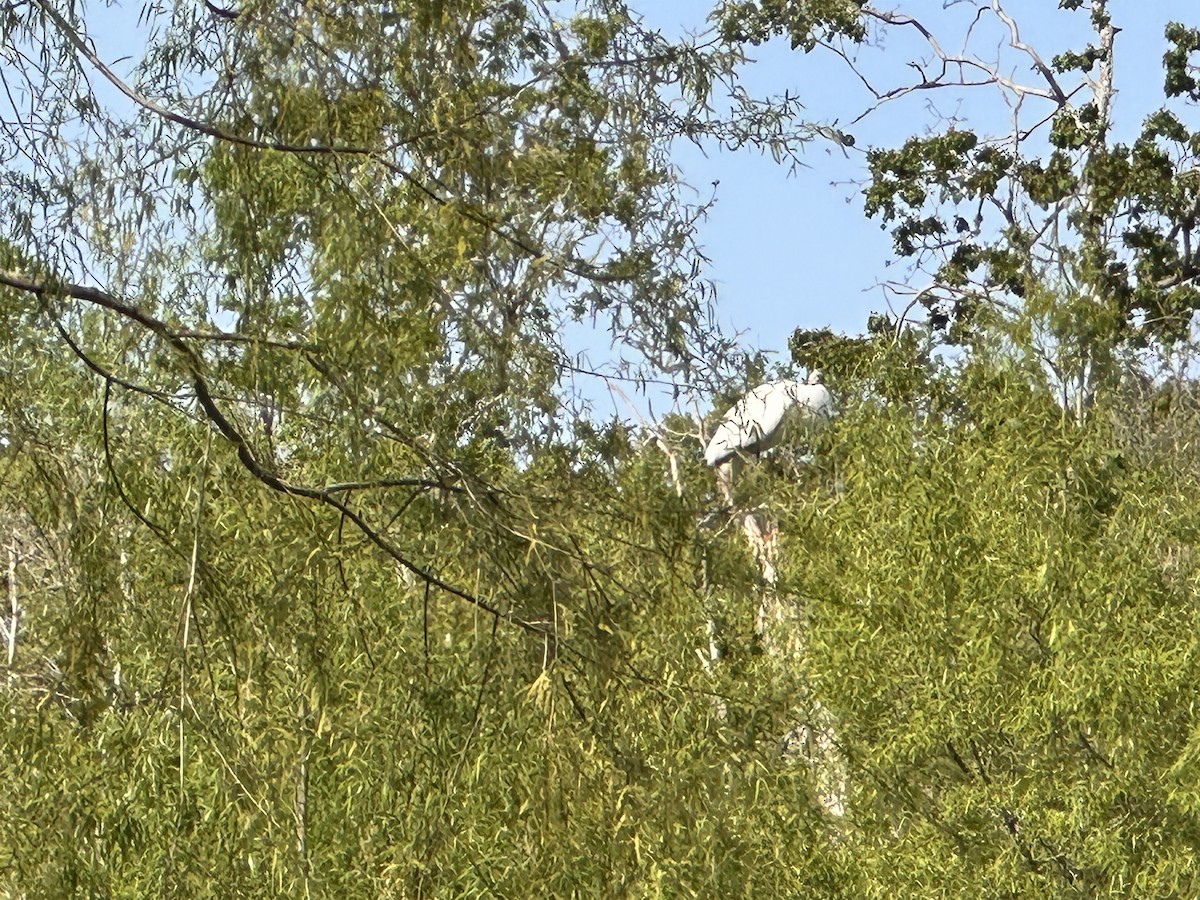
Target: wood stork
(755, 423)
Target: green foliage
(999, 617)
(316, 585)
(319, 583)
(804, 24)
(1100, 235)
(1082, 61)
(337, 727)
(1177, 61)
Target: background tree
(998, 597)
(1025, 217)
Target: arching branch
(331, 496)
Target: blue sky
(796, 250)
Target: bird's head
(811, 395)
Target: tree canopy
(323, 576)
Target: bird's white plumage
(755, 423)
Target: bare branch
(1014, 41)
(989, 73)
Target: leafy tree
(1029, 222)
(999, 604)
(318, 581)
(321, 579)
(993, 555)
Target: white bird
(755, 423)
